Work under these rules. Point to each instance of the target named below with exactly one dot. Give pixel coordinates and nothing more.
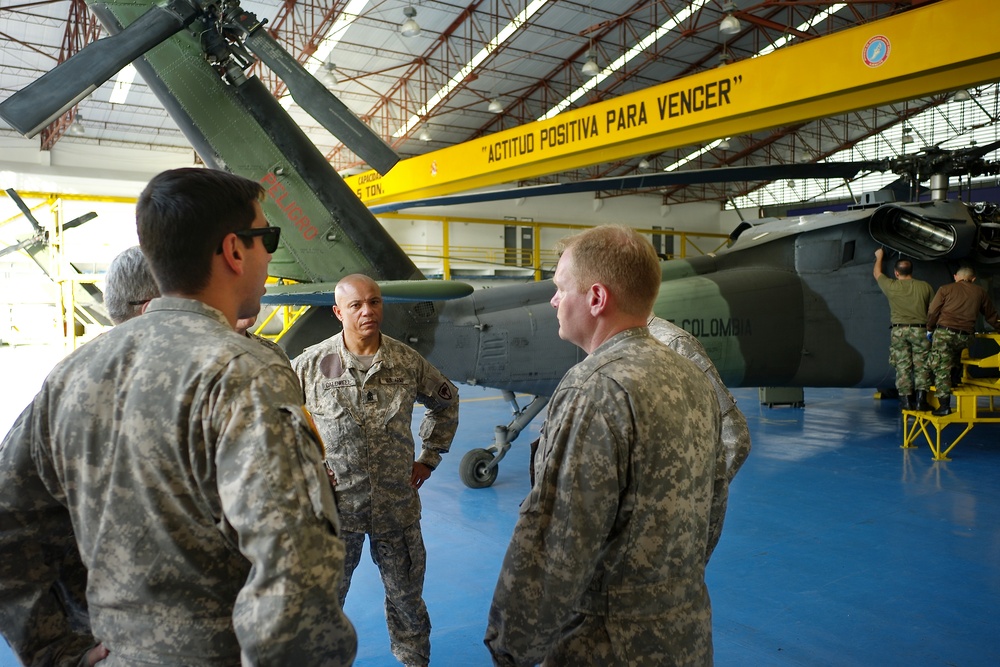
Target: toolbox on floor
(772, 396)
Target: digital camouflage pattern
(607, 562)
(365, 420)
(908, 354)
(401, 557)
(179, 455)
(735, 434)
(945, 353)
(271, 345)
(366, 426)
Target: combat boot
(921, 401)
(944, 408)
(906, 402)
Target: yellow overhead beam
(944, 46)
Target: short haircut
(904, 267)
(965, 272)
(128, 285)
(182, 217)
(619, 258)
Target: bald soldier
(361, 386)
(607, 562)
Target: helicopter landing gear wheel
(475, 470)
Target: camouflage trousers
(946, 353)
(908, 350)
(402, 563)
(632, 639)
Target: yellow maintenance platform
(975, 400)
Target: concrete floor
(840, 548)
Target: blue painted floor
(840, 548)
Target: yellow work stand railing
(975, 403)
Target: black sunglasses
(269, 236)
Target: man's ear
(232, 253)
(336, 311)
(598, 298)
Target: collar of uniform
(351, 360)
(176, 303)
(622, 336)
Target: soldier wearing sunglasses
(172, 459)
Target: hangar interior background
(470, 70)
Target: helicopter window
(848, 253)
(989, 241)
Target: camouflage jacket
(366, 427)
(179, 456)
(735, 434)
(617, 523)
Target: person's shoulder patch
(444, 392)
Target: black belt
(958, 331)
(912, 326)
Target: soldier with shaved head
(361, 386)
(607, 562)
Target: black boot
(944, 408)
(921, 401)
(906, 402)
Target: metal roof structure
(444, 85)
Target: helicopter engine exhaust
(928, 231)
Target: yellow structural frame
(967, 411)
(941, 47)
(537, 252)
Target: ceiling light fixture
(961, 96)
(643, 163)
(410, 27)
(495, 106)
(424, 135)
(724, 143)
(76, 128)
(590, 68)
(675, 21)
(470, 67)
(730, 25)
(907, 139)
(329, 76)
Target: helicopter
(88, 303)
(790, 303)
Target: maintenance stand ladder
(975, 401)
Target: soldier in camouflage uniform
(360, 386)
(128, 285)
(735, 433)
(607, 562)
(908, 344)
(174, 459)
(951, 319)
(243, 327)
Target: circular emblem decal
(876, 51)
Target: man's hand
(878, 253)
(420, 475)
(96, 654)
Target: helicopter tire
(473, 472)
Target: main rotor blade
(321, 104)
(768, 172)
(24, 208)
(76, 222)
(48, 97)
(980, 151)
